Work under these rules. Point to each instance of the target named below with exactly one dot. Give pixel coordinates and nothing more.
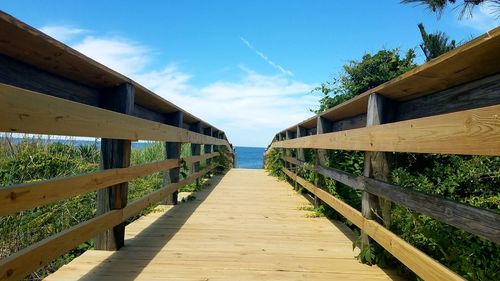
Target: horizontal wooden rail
(198, 158)
(424, 266)
(480, 222)
(469, 132)
(18, 265)
(24, 111)
(21, 197)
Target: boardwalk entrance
(245, 226)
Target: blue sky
(245, 66)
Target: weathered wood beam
(376, 164)
(173, 151)
(477, 221)
(114, 154)
(21, 263)
(207, 148)
(24, 111)
(196, 149)
(469, 132)
(420, 263)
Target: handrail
(25, 111)
(22, 197)
(18, 265)
(449, 105)
(421, 264)
(63, 92)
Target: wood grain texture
(115, 153)
(18, 265)
(32, 47)
(421, 264)
(231, 232)
(23, 111)
(21, 197)
(469, 132)
(472, 61)
(480, 222)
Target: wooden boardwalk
(245, 226)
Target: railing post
(207, 148)
(196, 149)
(173, 151)
(323, 126)
(289, 152)
(301, 132)
(376, 165)
(114, 154)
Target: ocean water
(249, 157)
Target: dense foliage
(360, 76)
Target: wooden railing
(49, 88)
(450, 105)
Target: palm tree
(467, 5)
(434, 44)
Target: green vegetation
(38, 159)
(360, 76)
(438, 6)
(473, 180)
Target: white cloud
(265, 58)
(124, 56)
(62, 33)
(484, 18)
(250, 110)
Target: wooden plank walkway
(245, 226)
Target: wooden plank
(350, 180)
(474, 60)
(23, 111)
(222, 235)
(115, 153)
(30, 46)
(199, 158)
(20, 264)
(469, 132)
(479, 93)
(21, 75)
(140, 204)
(481, 222)
(22, 197)
(344, 209)
(424, 266)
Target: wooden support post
(207, 148)
(114, 154)
(289, 152)
(380, 110)
(173, 151)
(196, 149)
(301, 132)
(323, 126)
